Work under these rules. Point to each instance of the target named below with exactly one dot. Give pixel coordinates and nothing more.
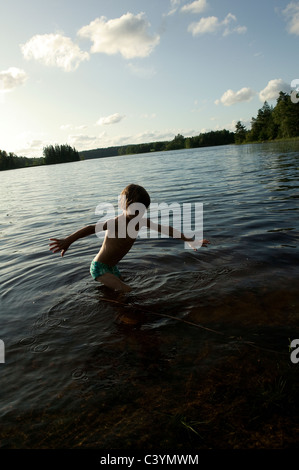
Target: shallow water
(74, 350)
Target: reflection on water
(197, 355)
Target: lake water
(86, 367)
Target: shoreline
(35, 164)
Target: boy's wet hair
(134, 193)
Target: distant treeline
(51, 155)
(9, 161)
(278, 122)
(207, 139)
(60, 154)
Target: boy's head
(133, 194)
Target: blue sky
(98, 73)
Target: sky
(101, 73)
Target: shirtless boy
(120, 236)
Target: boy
(121, 233)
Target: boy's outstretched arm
(64, 243)
(172, 232)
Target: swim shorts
(98, 269)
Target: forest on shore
(271, 123)
(51, 155)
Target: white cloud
(112, 119)
(11, 79)
(65, 127)
(204, 25)
(237, 29)
(198, 6)
(84, 141)
(229, 29)
(148, 136)
(127, 35)
(271, 91)
(231, 97)
(291, 12)
(232, 125)
(30, 144)
(54, 50)
(141, 72)
(174, 5)
(87, 142)
(211, 24)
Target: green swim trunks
(98, 269)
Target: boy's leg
(113, 282)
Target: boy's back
(117, 242)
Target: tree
(60, 154)
(263, 126)
(177, 143)
(188, 143)
(240, 134)
(286, 116)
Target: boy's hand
(197, 243)
(59, 245)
